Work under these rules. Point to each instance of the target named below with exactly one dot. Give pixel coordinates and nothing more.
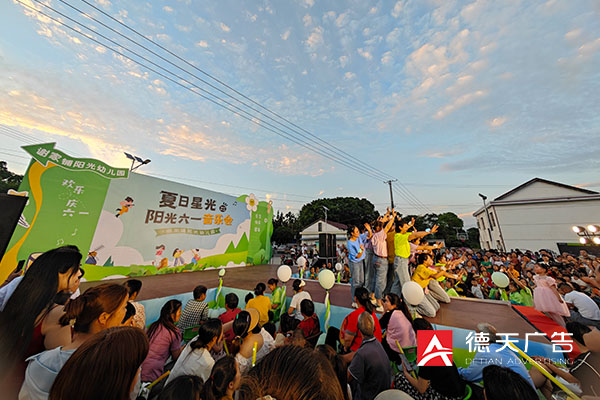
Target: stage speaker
(326, 245)
(11, 208)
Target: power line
(250, 118)
(378, 172)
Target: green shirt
(527, 297)
(276, 298)
(516, 298)
(452, 293)
(401, 245)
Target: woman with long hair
(165, 340)
(195, 359)
(184, 387)
(224, 380)
(104, 367)
(291, 372)
(397, 323)
(98, 308)
(247, 334)
(261, 302)
(340, 367)
(134, 286)
(22, 331)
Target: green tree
(345, 210)
(449, 226)
(286, 228)
(473, 240)
(8, 179)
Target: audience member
(290, 373)
(195, 359)
(129, 315)
(299, 295)
(545, 296)
(225, 379)
(195, 310)
(277, 300)
(104, 367)
(232, 310)
(247, 335)
(369, 372)
(583, 309)
(165, 340)
(310, 325)
(397, 323)
(340, 367)
(134, 286)
(98, 308)
(184, 387)
(261, 303)
(501, 383)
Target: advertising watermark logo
(434, 348)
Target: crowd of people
(58, 343)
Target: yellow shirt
(390, 246)
(263, 305)
(401, 245)
(423, 275)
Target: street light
(137, 159)
(591, 235)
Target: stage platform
(460, 313)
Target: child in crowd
(546, 297)
(195, 310)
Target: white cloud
(458, 103)
(373, 10)
(315, 38)
(349, 75)
(224, 27)
(285, 35)
(183, 28)
(397, 9)
(340, 20)
(168, 9)
(308, 3)
(307, 19)
(574, 34)
(387, 58)
(202, 43)
(497, 122)
(364, 53)
(343, 61)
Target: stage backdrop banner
(127, 224)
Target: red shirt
(310, 326)
(350, 325)
(226, 317)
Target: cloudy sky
(452, 98)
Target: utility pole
(391, 193)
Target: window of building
(482, 224)
(493, 221)
(320, 227)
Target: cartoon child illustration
(196, 256)
(177, 256)
(91, 259)
(125, 206)
(158, 256)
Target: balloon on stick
(221, 275)
(500, 279)
(339, 267)
(284, 273)
(327, 280)
(412, 293)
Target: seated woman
(105, 367)
(437, 383)
(165, 340)
(247, 333)
(195, 359)
(261, 303)
(225, 379)
(397, 323)
(184, 387)
(98, 308)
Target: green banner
(45, 153)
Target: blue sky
(451, 97)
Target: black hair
(130, 312)
(199, 291)
(183, 387)
(307, 307)
(363, 298)
(133, 286)
(578, 330)
(260, 289)
(421, 258)
(271, 328)
(223, 373)
(33, 296)
(166, 318)
(296, 284)
(273, 281)
(248, 297)
(400, 305)
(565, 285)
(210, 329)
(421, 324)
(232, 300)
(240, 327)
(351, 230)
(501, 383)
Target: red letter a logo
(434, 348)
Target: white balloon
(339, 267)
(412, 293)
(284, 273)
(393, 394)
(301, 261)
(500, 279)
(221, 272)
(326, 279)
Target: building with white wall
(310, 235)
(536, 215)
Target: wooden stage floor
(460, 313)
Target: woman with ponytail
(349, 336)
(247, 333)
(24, 309)
(195, 359)
(165, 340)
(225, 379)
(97, 309)
(261, 302)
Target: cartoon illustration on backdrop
(178, 260)
(158, 255)
(22, 221)
(196, 259)
(125, 206)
